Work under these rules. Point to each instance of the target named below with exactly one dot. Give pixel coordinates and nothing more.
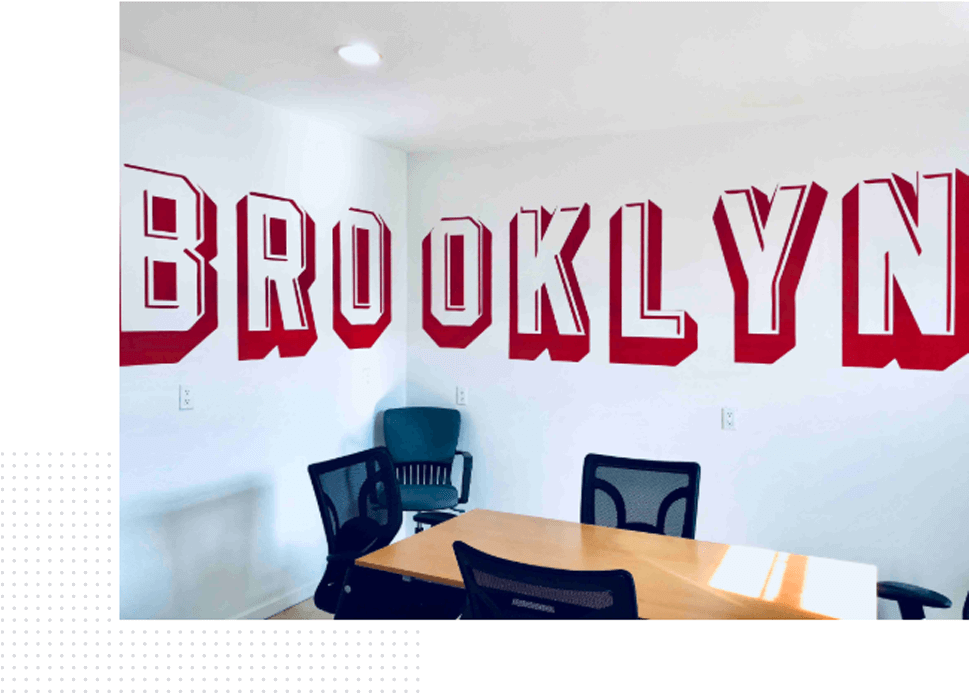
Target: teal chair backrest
(422, 434)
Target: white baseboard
(274, 606)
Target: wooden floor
(304, 611)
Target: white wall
(860, 464)
(218, 515)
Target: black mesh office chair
(501, 589)
(642, 495)
(423, 443)
(360, 506)
(913, 599)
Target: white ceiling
(468, 75)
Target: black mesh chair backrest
(422, 442)
(358, 499)
(360, 506)
(642, 495)
(501, 589)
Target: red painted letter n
(906, 272)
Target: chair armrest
(902, 591)
(466, 465)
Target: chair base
(328, 591)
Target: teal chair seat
(427, 497)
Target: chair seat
(901, 591)
(425, 497)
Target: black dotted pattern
(59, 631)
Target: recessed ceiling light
(359, 54)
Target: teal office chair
(423, 443)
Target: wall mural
(905, 270)
(361, 278)
(640, 331)
(546, 306)
(455, 311)
(169, 296)
(765, 242)
(276, 248)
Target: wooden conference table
(675, 578)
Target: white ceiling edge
(875, 105)
(465, 76)
(865, 103)
(314, 119)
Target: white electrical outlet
(461, 396)
(728, 419)
(186, 397)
